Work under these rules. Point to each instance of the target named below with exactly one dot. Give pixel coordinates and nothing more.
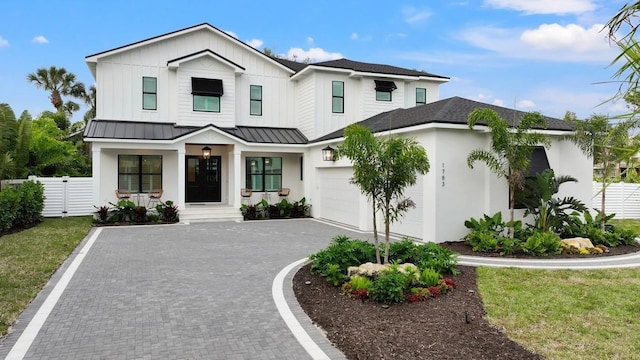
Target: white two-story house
(202, 115)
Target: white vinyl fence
(64, 196)
(622, 199)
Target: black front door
(203, 179)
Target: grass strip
(29, 258)
(566, 314)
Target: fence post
(65, 196)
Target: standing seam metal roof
(133, 130)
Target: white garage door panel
(339, 199)
(411, 223)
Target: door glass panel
(192, 170)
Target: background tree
(7, 140)
(362, 147)
(622, 28)
(51, 154)
(89, 98)
(608, 145)
(383, 168)
(58, 82)
(23, 141)
(511, 148)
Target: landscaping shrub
(434, 256)
(168, 212)
(21, 206)
(389, 287)
(542, 243)
(342, 252)
(29, 212)
(429, 277)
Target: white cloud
(524, 104)
(572, 37)
(354, 36)
(309, 40)
(40, 40)
(560, 7)
(412, 15)
(498, 102)
(3, 42)
(553, 42)
(313, 54)
(255, 43)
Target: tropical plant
(429, 277)
(383, 168)
(542, 243)
(58, 82)
(511, 149)
(89, 98)
(168, 211)
(389, 286)
(607, 144)
(342, 252)
(362, 147)
(549, 213)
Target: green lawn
(29, 258)
(631, 224)
(566, 314)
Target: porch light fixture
(206, 152)
(328, 154)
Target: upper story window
(256, 100)
(384, 89)
(421, 96)
(337, 97)
(149, 93)
(206, 94)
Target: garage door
(411, 223)
(339, 199)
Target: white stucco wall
(466, 192)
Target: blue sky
(535, 55)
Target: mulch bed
(451, 326)
(463, 249)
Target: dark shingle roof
(293, 65)
(453, 110)
(134, 130)
(374, 68)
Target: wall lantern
(328, 154)
(206, 152)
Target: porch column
(181, 180)
(237, 176)
(95, 174)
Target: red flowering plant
(434, 291)
(414, 298)
(360, 294)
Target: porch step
(200, 213)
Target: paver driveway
(199, 291)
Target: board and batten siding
(306, 102)
(119, 78)
(210, 69)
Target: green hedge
(21, 206)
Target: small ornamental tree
(383, 168)
(511, 148)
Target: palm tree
(58, 82)
(510, 154)
(89, 98)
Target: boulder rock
(371, 269)
(578, 243)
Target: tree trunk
(512, 205)
(375, 231)
(602, 213)
(386, 236)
